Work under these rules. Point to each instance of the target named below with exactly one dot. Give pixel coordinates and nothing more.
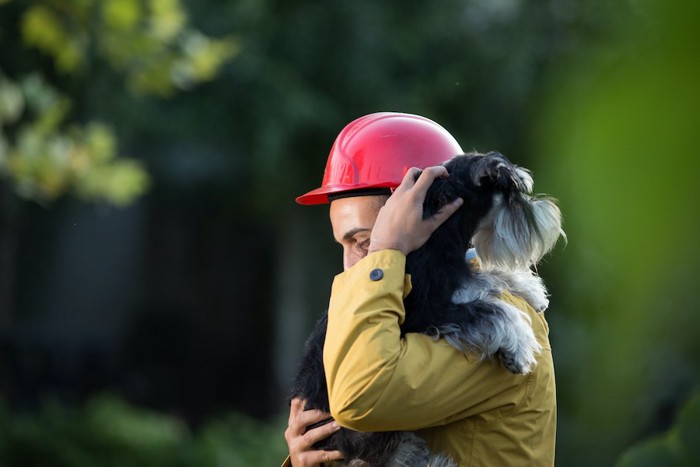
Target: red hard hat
(376, 150)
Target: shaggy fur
(452, 298)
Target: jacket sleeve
(379, 381)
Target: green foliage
(149, 41)
(238, 440)
(43, 151)
(677, 447)
(107, 431)
(621, 132)
(41, 28)
(46, 159)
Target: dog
(455, 299)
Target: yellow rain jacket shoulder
(474, 411)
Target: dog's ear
(486, 170)
(494, 170)
(441, 192)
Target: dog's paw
(520, 355)
(519, 362)
(511, 363)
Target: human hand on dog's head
(400, 224)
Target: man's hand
(400, 224)
(300, 441)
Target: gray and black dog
(456, 299)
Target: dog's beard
(518, 232)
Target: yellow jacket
(475, 411)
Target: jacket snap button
(376, 274)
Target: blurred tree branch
(46, 149)
(44, 154)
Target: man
(474, 411)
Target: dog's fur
(455, 299)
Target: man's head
(368, 160)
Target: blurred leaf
(11, 101)
(239, 440)
(123, 15)
(3, 155)
(688, 429)
(132, 428)
(653, 453)
(119, 183)
(46, 161)
(167, 19)
(202, 59)
(149, 42)
(679, 446)
(42, 28)
(50, 118)
(38, 94)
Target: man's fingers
(309, 417)
(297, 405)
(409, 179)
(299, 418)
(428, 176)
(320, 432)
(446, 211)
(327, 456)
(301, 441)
(424, 180)
(317, 457)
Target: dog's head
(510, 228)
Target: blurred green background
(157, 280)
